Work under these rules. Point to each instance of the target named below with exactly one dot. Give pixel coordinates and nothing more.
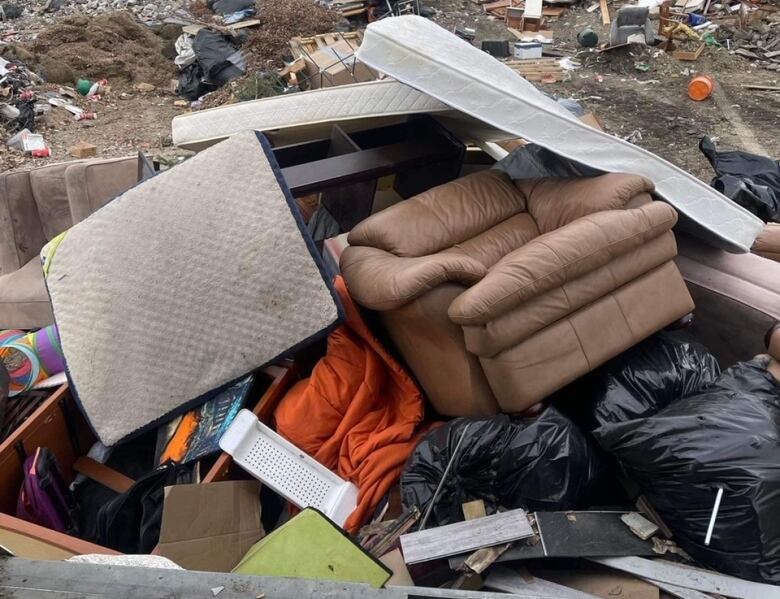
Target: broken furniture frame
(420, 152)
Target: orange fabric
(358, 413)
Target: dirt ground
(652, 107)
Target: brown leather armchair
(499, 292)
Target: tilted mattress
(184, 284)
(423, 55)
(329, 104)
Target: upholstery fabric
(91, 184)
(359, 413)
(24, 301)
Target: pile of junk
(429, 335)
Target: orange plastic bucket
(700, 88)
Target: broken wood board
(244, 24)
(510, 581)
(575, 534)
(691, 578)
(307, 45)
(688, 54)
(679, 592)
(536, 69)
(607, 584)
(765, 88)
(639, 525)
(605, 18)
(474, 509)
(463, 537)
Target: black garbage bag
(650, 376)
(225, 7)
(752, 181)
(218, 56)
(191, 83)
(727, 436)
(542, 463)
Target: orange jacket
(358, 413)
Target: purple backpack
(44, 497)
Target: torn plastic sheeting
(650, 376)
(542, 463)
(752, 181)
(425, 56)
(727, 436)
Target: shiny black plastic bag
(727, 436)
(651, 375)
(542, 463)
(752, 181)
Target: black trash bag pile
(650, 376)
(542, 463)
(725, 436)
(218, 60)
(752, 181)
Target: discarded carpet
(183, 284)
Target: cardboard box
(335, 64)
(210, 526)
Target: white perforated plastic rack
(286, 469)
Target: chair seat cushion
(24, 302)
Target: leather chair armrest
(382, 281)
(559, 257)
(767, 243)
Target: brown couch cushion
(768, 242)
(24, 301)
(21, 235)
(441, 217)
(51, 197)
(559, 257)
(91, 184)
(555, 202)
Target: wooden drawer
(59, 425)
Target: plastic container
(700, 88)
(525, 50)
(279, 464)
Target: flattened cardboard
(210, 526)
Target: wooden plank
(639, 525)
(106, 476)
(602, 582)
(679, 592)
(766, 88)
(506, 580)
(605, 18)
(463, 537)
(691, 578)
(474, 509)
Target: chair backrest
(90, 185)
(21, 233)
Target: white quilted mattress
(331, 104)
(182, 285)
(418, 52)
